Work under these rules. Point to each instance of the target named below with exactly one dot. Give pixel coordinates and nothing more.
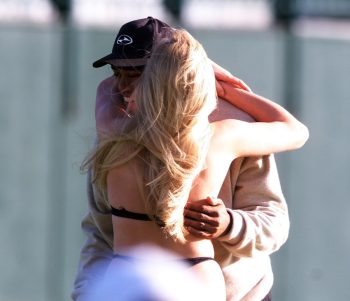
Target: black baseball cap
(134, 42)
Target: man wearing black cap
(251, 213)
(134, 42)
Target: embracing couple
(182, 162)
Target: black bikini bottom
(189, 261)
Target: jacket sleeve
(97, 225)
(97, 251)
(260, 220)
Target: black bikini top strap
(196, 260)
(122, 212)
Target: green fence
(42, 193)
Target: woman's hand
(222, 75)
(207, 218)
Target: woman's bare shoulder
(225, 110)
(226, 133)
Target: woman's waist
(152, 236)
(190, 249)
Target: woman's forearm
(259, 107)
(265, 110)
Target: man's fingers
(197, 216)
(200, 229)
(201, 208)
(198, 233)
(201, 223)
(205, 215)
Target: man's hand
(207, 218)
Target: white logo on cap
(124, 40)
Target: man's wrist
(229, 226)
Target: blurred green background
(295, 52)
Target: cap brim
(102, 61)
(109, 59)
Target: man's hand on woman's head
(207, 218)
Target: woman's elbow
(302, 135)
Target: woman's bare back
(125, 190)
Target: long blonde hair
(169, 131)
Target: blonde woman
(164, 152)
